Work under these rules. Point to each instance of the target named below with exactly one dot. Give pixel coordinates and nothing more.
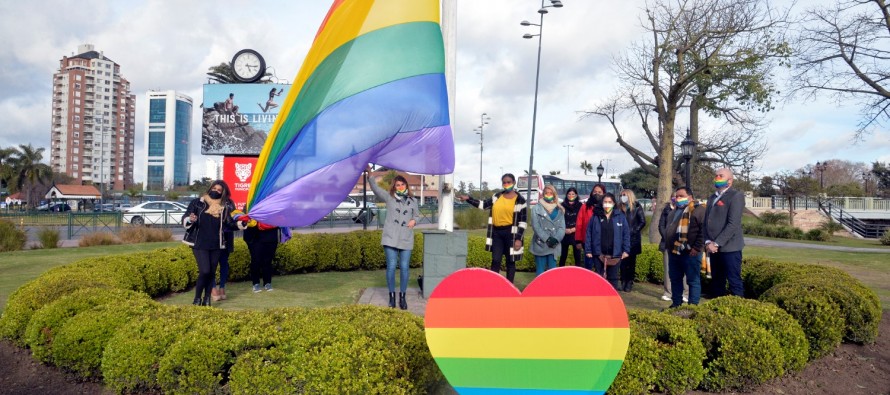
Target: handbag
(552, 242)
(609, 261)
(190, 236)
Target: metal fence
(812, 203)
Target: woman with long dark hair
(636, 219)
(402, 212)
(592, 207)
(571, 206)
(206, 220)
(608, 240)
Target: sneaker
(256, 288)
(268, 287)
(666, 298)
(685, 299)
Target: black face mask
(215, 194)
(599, 199)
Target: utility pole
(568, 150)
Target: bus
(583, 183)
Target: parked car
(104, 207)
(353, 210)
(155, 213)
(54, 207)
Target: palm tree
(28, 168)
(6, 170)
(223, 74)
(586, 166)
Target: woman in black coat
(206, 221)
(572, 206)
(636, 219)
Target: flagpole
(449, 37)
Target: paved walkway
(380, 297)
(751, 241)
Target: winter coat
(636, 219)
(663, 223)
(519, 222)
(399, 212)
(202, 233)
(620, 234)
(544, 228)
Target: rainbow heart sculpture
(566, 334)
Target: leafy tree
(881, 173)
(714, 56)
(7, 155)
(171, 195)
(555, 172)
(134, 191)
(461, 188)
(201, 185)
(843, 50)
(765, 188)
(640, 181)
(586, 166)
(850, 189)
(28, 170)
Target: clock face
(248, 65)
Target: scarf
(214, 206)
(681, 244)
(548, 207)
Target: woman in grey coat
(548, 222)
(402, 212)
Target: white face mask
(608, 206)
(623, 199)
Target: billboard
(238, 174)
(237, 117)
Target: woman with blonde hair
(636, 219)
(548, 223)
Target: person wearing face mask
(206, 220)
(723, 235)
(548, 223)
(662, 228)
(571, 206)
(608, 240)
(636, 219)
(402, 213)
(684, 242)
(506, 224)
(593, 207)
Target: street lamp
(821, 167)
(540, 25)
(483, 120)
(599, 172)
(687, 147)
(568, 150)
(865, 178)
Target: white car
(155, 213)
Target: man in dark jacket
(684, 241)
(723, 235)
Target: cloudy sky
(165, 44)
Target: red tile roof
(78, 190)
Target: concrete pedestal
(443, 253)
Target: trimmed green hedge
(94, 317)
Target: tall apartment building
(168, 127)
(93, 121)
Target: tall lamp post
(568, 151)
(865, 178)
(687, 147)
(599, 172)
(483, 120)
(540, 25)
(821, 167)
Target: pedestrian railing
(851, 223)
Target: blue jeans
(403, 257)
(727, 267)
(588, 262)
(689, 266)
(544, 263)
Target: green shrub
(239, 261)
(298, 255)
(46, 322)
(818, 235)
(373, 256)
(476, 254)
(80, 342)
(860, 306)
(770, 317)
(821, 320)
(885, 239)
(470, 218)
(638, 372)
(98, 239)
(650, 265)
(350, 257)
(739, 353)
(417, 252)
(11, 237)
(761, 274)
(49, 238)
(679, 350)
(831, 226)
(197, 364)
(774, 218)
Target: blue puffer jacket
(620, 234)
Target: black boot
(392, 299)
(403, 304)
(197, 301)
(629, 287)
(206, 301)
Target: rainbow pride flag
(371, 89)
(567, 333)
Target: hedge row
(95, 317)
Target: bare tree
(844, 50)
(794, 185)
(702, 56)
